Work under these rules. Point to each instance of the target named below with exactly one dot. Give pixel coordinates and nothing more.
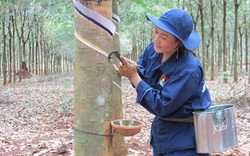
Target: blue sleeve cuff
(141, 90)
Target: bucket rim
(229, 106)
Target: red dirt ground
(36, 117)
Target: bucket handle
(216, 119)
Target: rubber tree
(97, 91)
(201, 7)
(120, 148)
(235, 47)
(225, 53)
(212, 39)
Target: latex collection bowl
(126, 127)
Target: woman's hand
(128, 68)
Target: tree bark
(235, 47)
(224, 39)
(4, 54)
(119, 147)
(13, 49)
(10, 48)
(212, 40)
(247, 55)
(246, 42)
(202, 36)
(95, 105)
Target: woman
(169, 83)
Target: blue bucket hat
(180, 24)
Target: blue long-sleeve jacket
(183, 92)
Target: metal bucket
(215, 129)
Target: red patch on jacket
(163, 80)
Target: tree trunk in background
(235, 47)
(19, 35)
(246, 43)
(134, 49)
(212, 40)
(36, 55)
(4, 54)
(13, 49)
(202, 36)
(247, 54)
(225, 39)
(94, 104)
(241, 33)
(219, 60)
(119, 147)
(41, 52)
(10, 49)
(46, 59)
(51, 62)
(32, 56)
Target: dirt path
(36, 119)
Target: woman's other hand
(128, 68)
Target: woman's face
(164, 42)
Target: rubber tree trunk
(225, 53)
(119, 146)
(96, 94)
